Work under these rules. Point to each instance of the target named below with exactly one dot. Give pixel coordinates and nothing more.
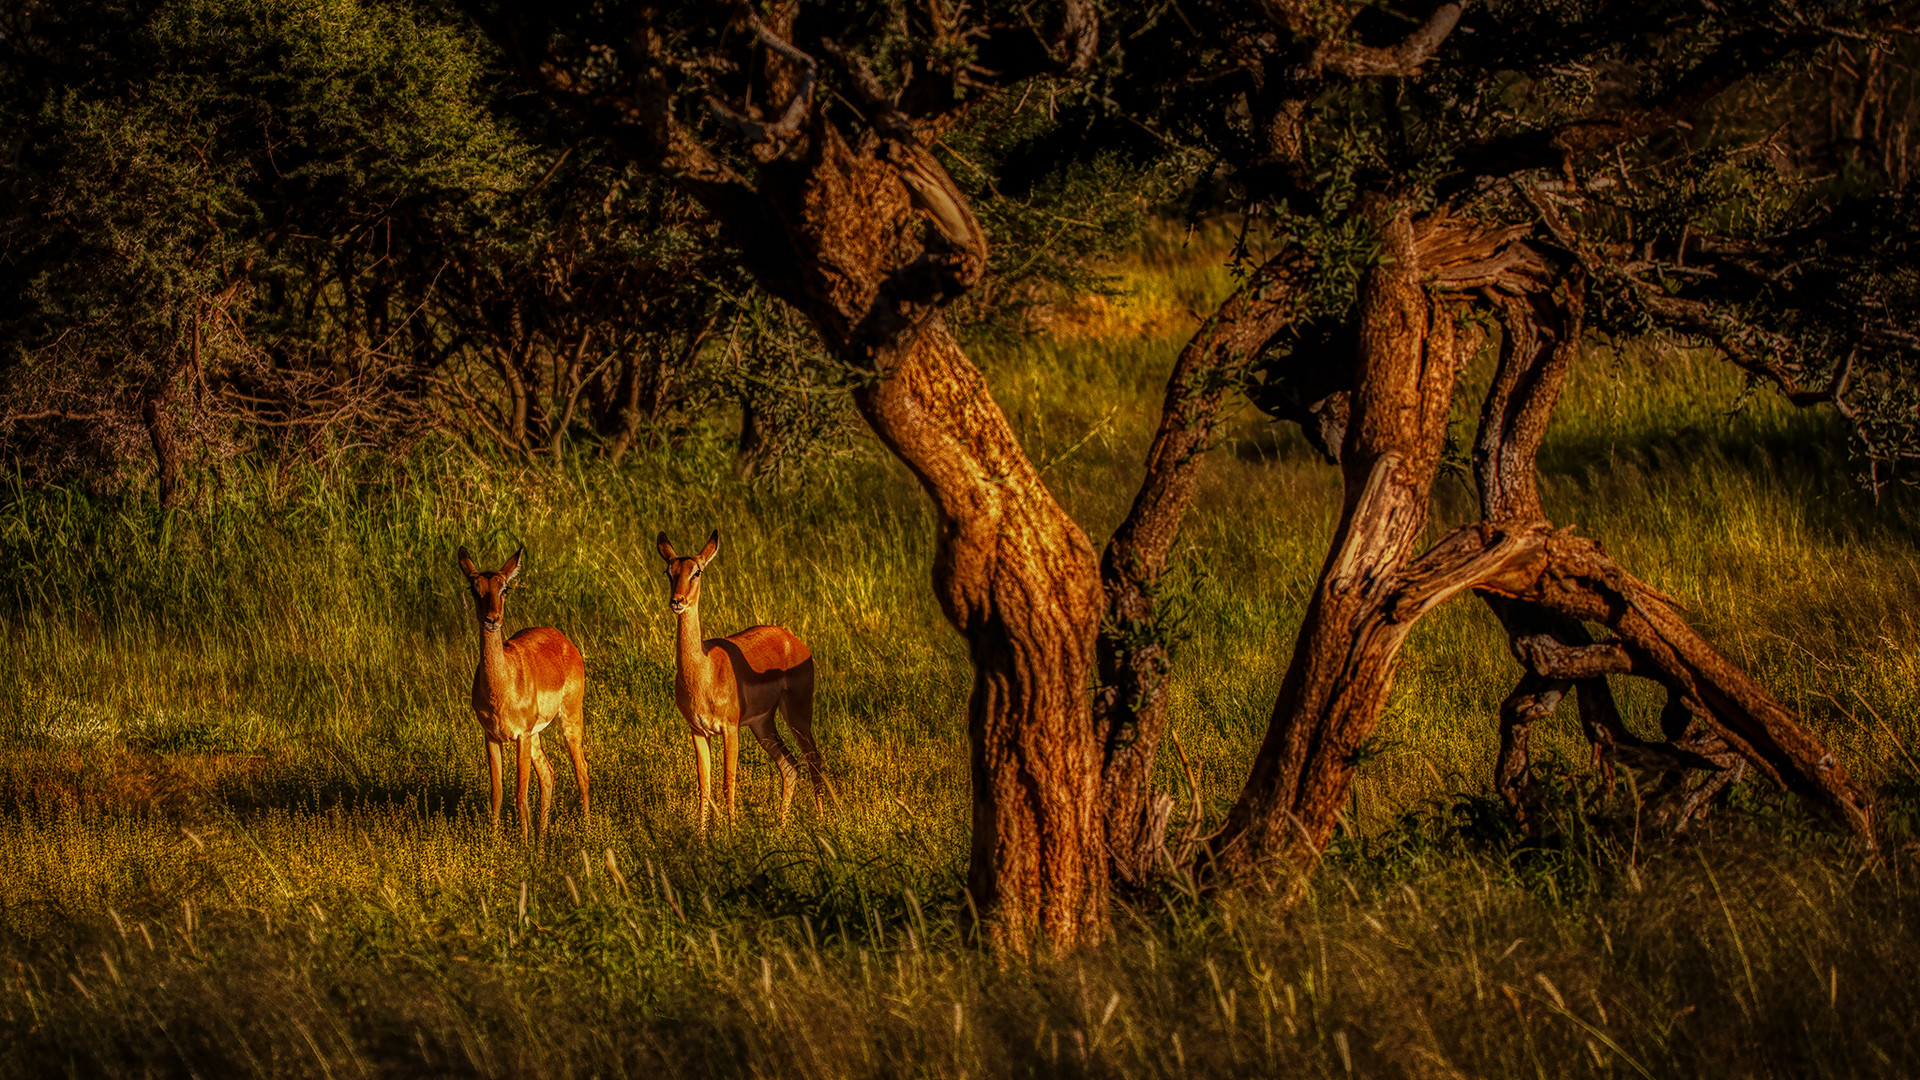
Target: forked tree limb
(1581, 581)
(1546, 585)
(1135, 661)
(800, 97)
(1370, 588)
(1579, 584)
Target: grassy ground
(244, 800)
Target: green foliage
(1049, 220)
(1646, 127)
(302, 226)
(192, 187)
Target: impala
(522, 685)
(722, 683)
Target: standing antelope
(522, 685)
(721, 683)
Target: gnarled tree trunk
(1017, 577)
(1545, 585)
(1717, 719)
(1130, 706)
(1343, 661)
(1012, 571)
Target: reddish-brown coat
(521, 687)
(721, 684)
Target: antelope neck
(688, 656)
(493, 656)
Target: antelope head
(683, 574)
(489, 588)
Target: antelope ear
(665, 549)
(466, 563)
(713, 548)
(512, 569)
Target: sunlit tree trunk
(1017, 577)
(1012, 571)
(1344, 657)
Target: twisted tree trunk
(1717, 718)
(1135, 658)
(1017, 577)
(1368, 594)
(1545, 585)
(1012, 571)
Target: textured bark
(1538, 349)
(1717, 719)
(1016, 576)
(1130, 707)
(1536, 354)
(878, 241)
(1368, 595)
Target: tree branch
(1402, 60)
(1554, 146)
(795, 114)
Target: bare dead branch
(53, 414)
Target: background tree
(300, 226)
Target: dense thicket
(300, 227)
(313, 228)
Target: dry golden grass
(242, 733)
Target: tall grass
(245, 812)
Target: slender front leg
(729, 765)
(493, 777)
(523, 774)
(703, 764)
(545, 769)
